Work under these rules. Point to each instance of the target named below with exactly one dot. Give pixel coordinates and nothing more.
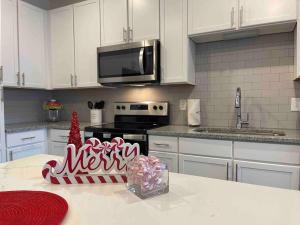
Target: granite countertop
(191, 200)
(63, 125)
(291, 136)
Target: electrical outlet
(182, 104)
(295, 104)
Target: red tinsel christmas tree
(74, 135)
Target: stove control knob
(123, 107)
(118, 107)
(161, 107)
(155, 107)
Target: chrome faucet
(238, 106)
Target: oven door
(141, 139)
(129, 63)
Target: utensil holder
(96, 116)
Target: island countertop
(191, 200)
(290, 137)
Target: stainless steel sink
(242, 131)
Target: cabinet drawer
(205, 166)
(26, 151)
(25, 138)
(281, 176)
(57, 148)
(171, 159)
(163, 144)
(204, 147)
(61, 135)
(275, 153)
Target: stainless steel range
(132, 120)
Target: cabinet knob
(72, 83)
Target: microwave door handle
(141, 60)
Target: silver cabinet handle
(232, 17)
(75, 80)
(130, 34)
(23, 79)
(241, 15)
(141, 60)
(125, 35)
(18, 79)
(1, 74)
(64, 136)
(236, 172)
(162, 145)
(72, 80)
(28, 138)
(227, 171)
(10, 156)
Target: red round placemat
(31, 208)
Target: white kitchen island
(191, 200)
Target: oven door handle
(135, 137)
(141, 60)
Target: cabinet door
(177, 50)
(87, 39)
(258, 12)
(62, 47)
(26, 151)
(57, 148)
(205, 167)
(114, 22)
(171, 159)
(9, 42)
(32, 45)
(272, 175)
(143, 20)
(211, 16)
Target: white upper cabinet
(125, 21)
(62, 47)
(32, 45)
(87, 39)
(113, 22)
(259, 12)
(177, 50)
(211, 16)
(143, 20)
(9, 43)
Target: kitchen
(49, 51)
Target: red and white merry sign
(95, 162)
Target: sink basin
(244, 131)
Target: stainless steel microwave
(131, 63)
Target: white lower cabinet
(58, 140)
(28, 143)
(205, 166)
(170, 159)
(282, 176)
(57, 148)
(26, 151)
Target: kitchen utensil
(90, 105)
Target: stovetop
(135, 128)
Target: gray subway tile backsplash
(262, 66)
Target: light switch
(295, 104)
(182, 104)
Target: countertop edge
(229, 137)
